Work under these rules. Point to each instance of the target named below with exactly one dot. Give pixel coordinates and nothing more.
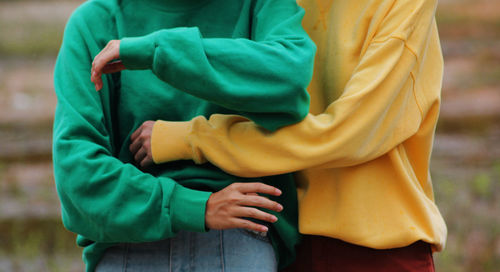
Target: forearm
(381, 105)
(108, 201)
(263, 78)
(353, 130)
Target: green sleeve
(264, 78)
(103, 198)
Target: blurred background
(465, 165)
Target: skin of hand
(102, 63)
(141, 144)
(226, 208)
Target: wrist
(208, 215)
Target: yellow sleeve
(379, 108)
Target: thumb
(113, 67)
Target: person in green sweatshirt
(183, 58)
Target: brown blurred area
(465, 165)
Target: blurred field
(465, 166)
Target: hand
(227, 207)
(101, 63)
(141, 144)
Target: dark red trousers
(321, 254)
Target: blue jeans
(216, 250)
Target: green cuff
(138, 53)
(188, 209)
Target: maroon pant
(321, 254)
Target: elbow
(288, 113)
(301, 71)
(77, 215)
(300, 62)
(293, 106)
(289, 102)
(75, 221)
(301, 65)
(299, 108)
(71, 223)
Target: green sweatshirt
(185, 58)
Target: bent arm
(264, 78)
(378, 109)
(102, 198)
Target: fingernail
(278, 191)
(263, 229)
(280, 207)
(274, 218)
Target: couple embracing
(249, 135)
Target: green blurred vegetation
(465, 165)
(40, 244)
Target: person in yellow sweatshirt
(362, 154)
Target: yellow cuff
(169, 141)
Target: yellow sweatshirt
(363, 151)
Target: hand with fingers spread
(227, 208)
(102, 63)
(141, 144)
